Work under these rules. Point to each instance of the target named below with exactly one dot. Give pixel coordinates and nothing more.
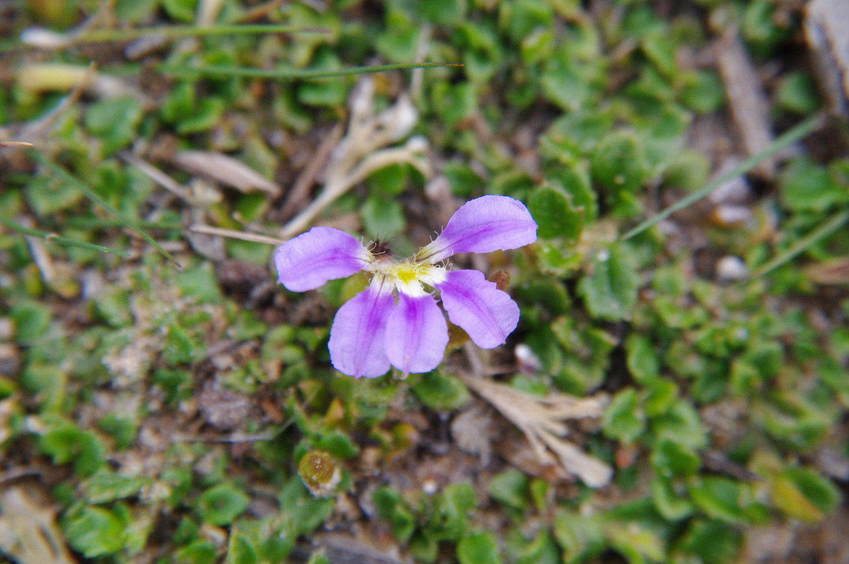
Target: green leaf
(221, 504)
(68, 443)
(703, 91)
(510, 488)
(797, 93)
(804, 494)
(32, 320)
(538, 46)
(48, 194)
(180, 347)
(424, 548)
(399, 40)
(199, 282)
(761, 27)
(575, 181)
(454, 102)
(327, 92)
(669, 503)
(806, 186)
(687, 169)
(580, 536)
(713, 542)
(671, 458)
(200, 551)
(190, 115)
(610, 289)
(565, 85)
(464, 181)
(114, 121)
(383, 218)
(242, 551)
(555, 214)
(391, 507)
(442, 12)
(478, 548)
(619, 163)
(720, 498)
(441, 392)
(113, 307)
(575, 134)
(181, 10)
(338, 444)
(623, 420)
(450, 518)
(557, 258)
(389, 181)
(302, 512)
(681, 423)
(122, 429)
(661, 50)
(106, 486)
(642, 359)
(94, 531)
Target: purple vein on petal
(416, 334)
(486, 313)
(356, 343)
(321, 254)
(483, 225)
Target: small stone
(731, 216)
(731, 269)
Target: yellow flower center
(406, 272)
(409, 276)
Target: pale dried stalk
(37, 131)
(232, 234)
(159, 177)
(541, 419)
(362, 151)
(28, 531)
(305, 180)
(224, 169)
(825, 29)
(747, 100)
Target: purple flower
(395, 321)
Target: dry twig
(746, 99)
(363, 150)
(28, 530)
(541, 419)
(225, 169)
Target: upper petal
(321, 254)
(486, 313)
(483, 225)
(357, 335)
(416, 334)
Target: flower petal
(483, 225)
(321, 254)
(416, 334)
(357, 336)
(486, 313)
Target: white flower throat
(408, 276)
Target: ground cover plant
(665, 381)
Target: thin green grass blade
(167, 32)
(823, 230)
(94, 197)
(789, 137)
(96, 222)
(247, 72)
(179, 31)
(59, 239)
